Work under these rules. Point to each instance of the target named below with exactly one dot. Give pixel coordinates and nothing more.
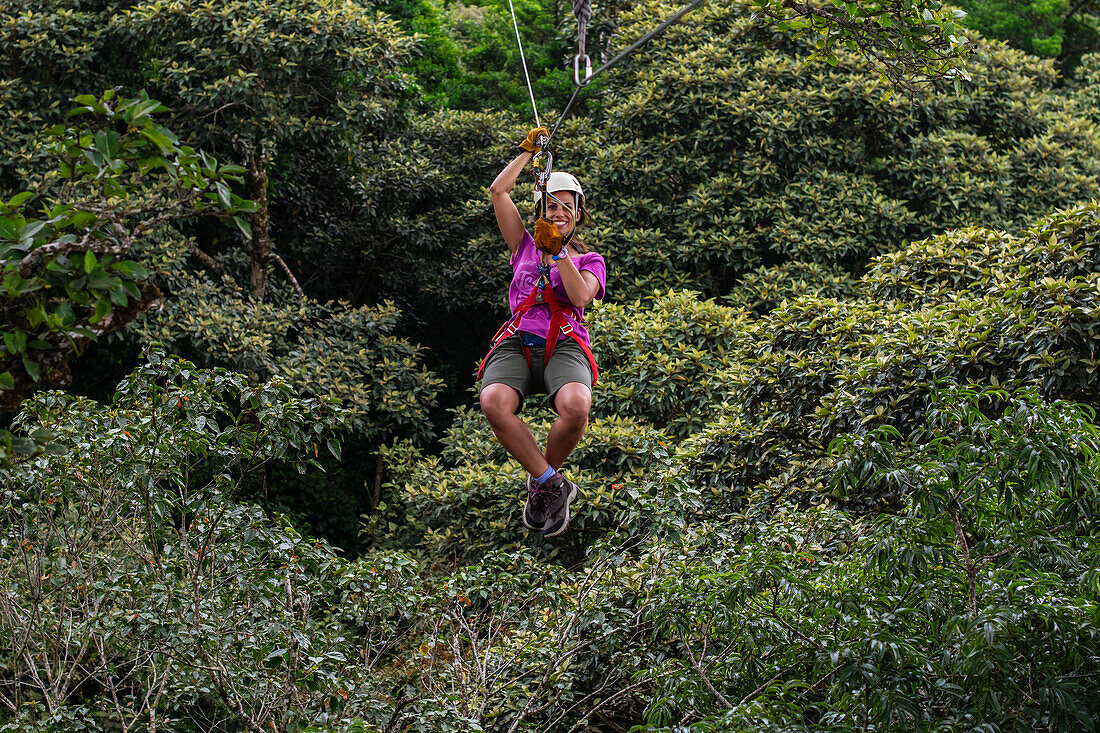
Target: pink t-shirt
(525, 276)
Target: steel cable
(523, 61)
(624, 53)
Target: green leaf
(65, 315)
(23, 446)
(334, 447)
(223, 195)
(15, 341)
(157, 138)
(28, 232)
(9, 229)
(102, 308)
(107, 143)
(131, 269)
(19, 199)
(118, 295)
(34, 370)
(89, 261)
(244, 226)
(7, 381)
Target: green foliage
(468, 57)
(283, 70)
(465, 501)
(713, 575)
(353, 355)
(720, 151)
(288, 69)
(1035, 27)
(911, 42)
(322, 349)
(43, 43)
(816, 621)
(662, 358)
(970, 307)
(811, 618)
(1087, 86)
(1053, 28)
(176, 602)
(68, 272)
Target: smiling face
(563, 216)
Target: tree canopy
(843, 466)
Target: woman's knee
(573, 402)
(498, 400)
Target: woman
(545, 347)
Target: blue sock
(545, 476)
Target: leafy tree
(50, 53)
(69, 272)
(294, 73)
(469, 58)
(1087, 85)
(1053, 28)
(168, 591)
(182, 608)
(721, 155)
(909, 42)
(808, 617)
(289, 75)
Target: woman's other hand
(547, 237)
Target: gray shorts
(507, 365)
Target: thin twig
(289, 274)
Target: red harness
(541, 293)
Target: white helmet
(562, 181)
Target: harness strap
(559, 323)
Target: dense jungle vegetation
(843, 468)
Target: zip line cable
(582, 19)
(643, 40)
(583, 11)
(519, 43)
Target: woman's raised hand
(530, 144)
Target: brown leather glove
(547, 237)
(531, 143)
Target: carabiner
(542, 165)
(577, 78)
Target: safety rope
(582, 11)
(530, 91)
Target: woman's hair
(584, 218)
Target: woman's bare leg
(572, 402)
(499, 402)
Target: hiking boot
(534, 510)
(560, 492)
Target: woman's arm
(509, 221)
(580, 286)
